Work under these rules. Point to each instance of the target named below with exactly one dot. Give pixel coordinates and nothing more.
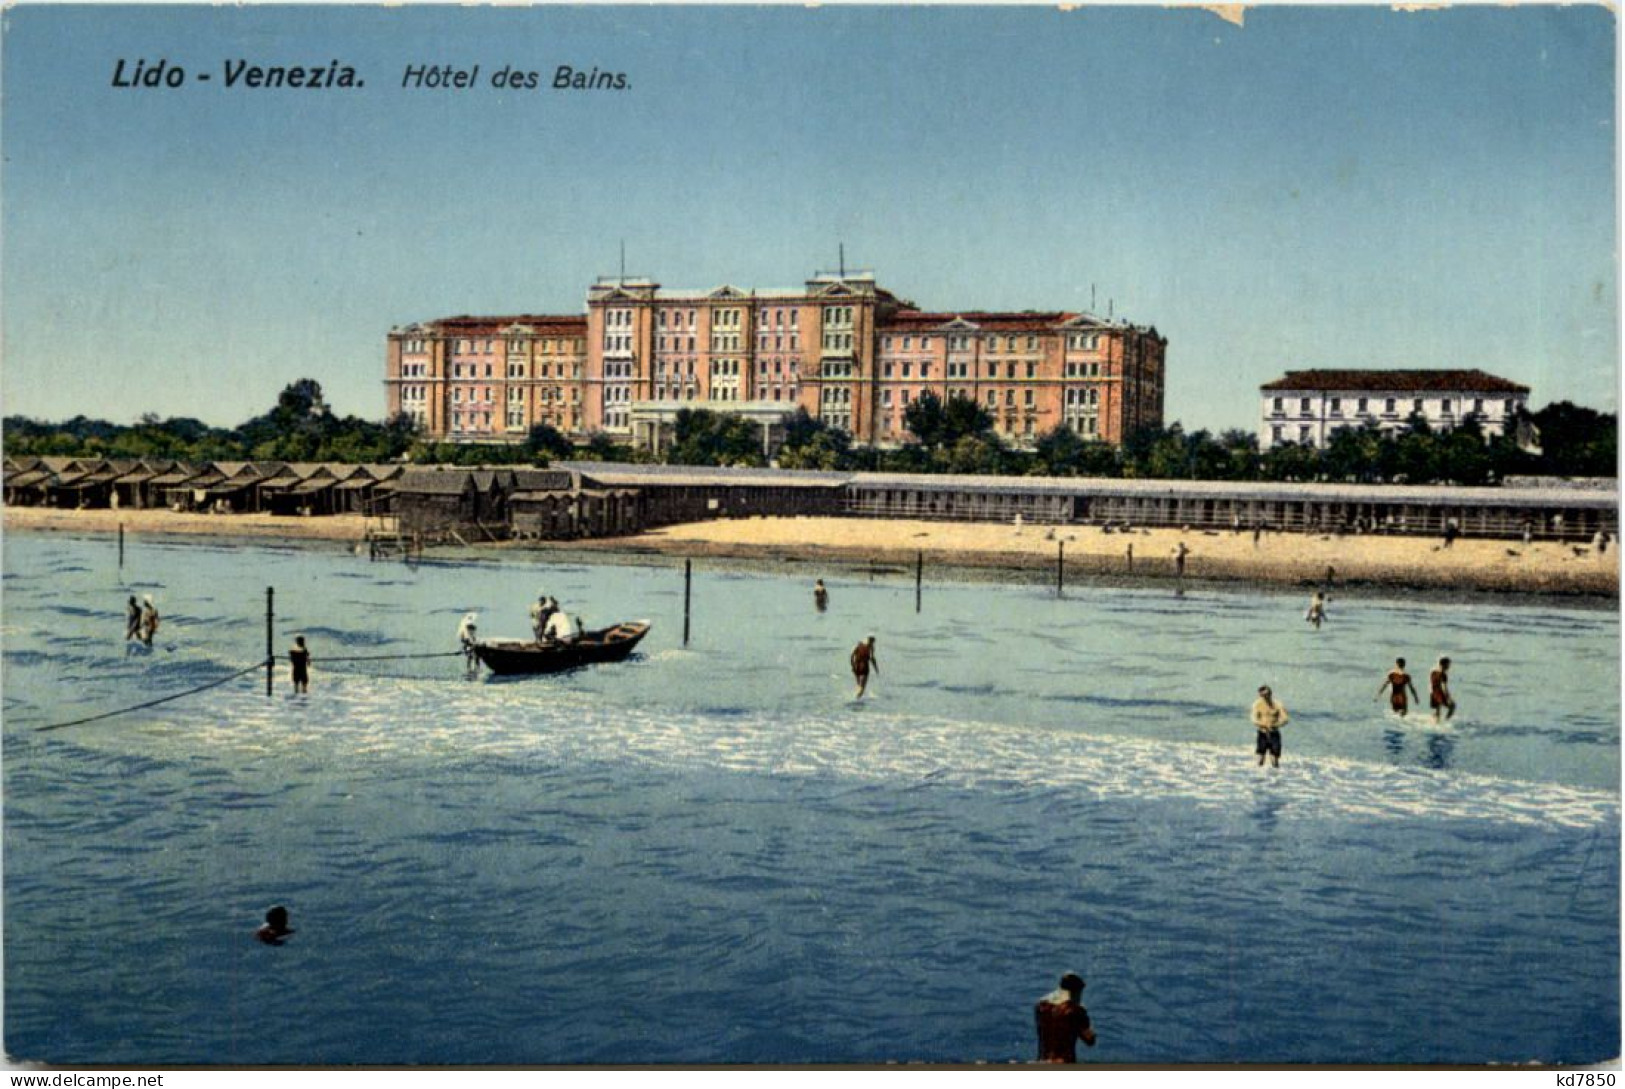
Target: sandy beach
(1293, 559)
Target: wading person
(1439, 697)
(820, 596)
(299, 661)
(276, 927)
(864, 660)
(467, 635)
(1317, 610)
(132, 619)
(1398, 681)
(1268, 718)
(1062, 1022)
(149, 619)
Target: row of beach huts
(596, 499)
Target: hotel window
(1010, 344)
(1303, 434)
(1032, 343)
(1303, 405)
(1337, 406)
(1276, 405)
(1009, 397)
(1478, 405)
(1275, 434)
(1029, 398)
(1364, 401)
(992, 344)
(885, 397)
(908, 370)
(1032, 370)
(1507, 408)
(908, 343)
(992, 398)
(1447, 406)
(925, 370)
(457, 396)
(1390, 405)
(1416, 405)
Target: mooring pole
(121, 546)
(270, 651)
(919, 577)
(1060, 569)
(1131, 559)
(688, 587)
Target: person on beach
(1317, 609)
(1179, 559)
(276, 928)
(299, 661)
(1439, 697)
(863, 660)
(149, 619)
(1398, 681)
(1451, 531)
(132, 619)
(468, 634)
(1268, 718)
(820, 596)
(1062, 1022)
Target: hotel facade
(1308, 407)
(845, 349)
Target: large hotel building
(848, 351)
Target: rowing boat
(517, 656)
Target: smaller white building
(1307, 407)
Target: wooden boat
(512, 656)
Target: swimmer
(1399, 681)
(299, 660)
(1439, 697)
(1268, 717)
(276, 926)
(1317, 610)
(820, 596)
(863, 660)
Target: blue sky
(1322, 187)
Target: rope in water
(241, 672)
(154, 703)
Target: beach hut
(435, 501)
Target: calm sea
(711, 854)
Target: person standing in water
(299, 660)
(1399, 681)
(467, 635)
(132, 619)
(149, 619)
(1439, 697)
(864, 660)
(1268, 718)
(1062, 1022)
(820, 596)
(1317, 609)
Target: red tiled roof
(992, 321)
(1402, 381)
(548, 323)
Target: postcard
(711, 535)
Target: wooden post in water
(270, 651)
(1131, 558)
(1060, 569)
(688, 585)
(121, 546)
(919, 577)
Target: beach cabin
(435, 501)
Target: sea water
(712, 853)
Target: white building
(1307, 407)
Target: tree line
(953, 436)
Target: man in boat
(1398, 680)
(1268, 718)
(539, 614)
(1062, 1022)
(863, 660)
(1439, 697)
(561, 628)
(820, 596)
(467, 635)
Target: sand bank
(1289, 558)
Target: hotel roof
(1402, 381)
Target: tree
(936, 423)
(545, 442)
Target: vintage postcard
(707, 535)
